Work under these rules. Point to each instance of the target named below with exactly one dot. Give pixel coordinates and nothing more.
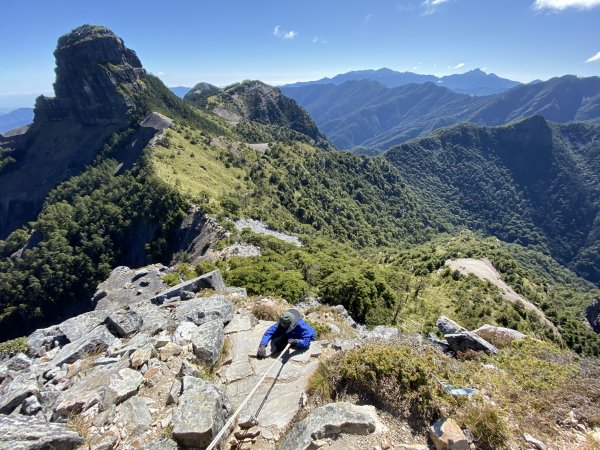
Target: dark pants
(278, 343)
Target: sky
(284, 41)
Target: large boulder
(44, 339)
(329, 421)
(124, 323)
(202, 411)
(498, 335)
(447, 435)
(29, 433)
(79, 326)
(208, 342)
(448, 326)
(95, 341)
(184, 333)
(135, 416)
(202, 310)
(19, 362)
(122, 385)
(16, 388)
(465, 341)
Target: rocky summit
(95, 75)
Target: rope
(221, 433)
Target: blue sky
(283, 41)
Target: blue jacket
(302, 331)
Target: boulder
(184, 333)
(535, 443)
(29, 433)
(44, 339)
(124, 323)
(140, 357)
(31, 406)
(135, 416)
(466, 341)
(202, 411)
(126, 287)
(154, 319)
(448, 326)
(208, 342)
(202, 310)
(19, 362)
(122, 386)
(447, 435)
(78, 326)
(169, 350)
(96, 340)
(174, 392)
(15, 389)
(498, 334)
(240, 322)
(329, 421)
(210, 280)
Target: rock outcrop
(29, 433)
(94, 70)
(330, 421)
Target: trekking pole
(221, 433)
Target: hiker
(289, 329)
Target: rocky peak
(96, 77)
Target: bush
(12, 347)
(486, 424)
(265, 311)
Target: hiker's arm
(308, 335)
(268, 334)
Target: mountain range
(142, 176)
(473, 82)
(366, 113)
(15, 119)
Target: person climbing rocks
(289, 329)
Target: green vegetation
(12, 347)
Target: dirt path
(484, 269)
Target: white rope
(219, 436)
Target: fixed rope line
(221, 433)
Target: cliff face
(95, 77)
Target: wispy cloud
(368, 17)
(560, 5)
(278, 32)
(431, 6)
(319, 40)
(594, 58)
(458, 66)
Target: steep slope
(198, 95)
(380, 118)
(523, 182)
(474, 82)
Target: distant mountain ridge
(473, 82)
(15, 119)
(366, 113)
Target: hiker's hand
(293, 342)
(262, 351)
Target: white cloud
(560, 5)
(278, 32)
(594, 58)
(319, 40)
(459, 66)
(368, 17)
(431, 6)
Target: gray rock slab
(154, 319)
(210, 280)
(240, 322)
(122, 385)
(329, 421)
(31, 406)
(29, 433)
(96, 340)
(79, 326)
(345, 345)
(88, 391)
(383, 333)
(208, 342)
(124, 323)
(135, 416)
(448, 326)
(15, 389)
(466, 341)
(202, 310)
(303, 356)
(174, 392)
(125, 287)
(19, 362)
(202, 411)
(140, 340)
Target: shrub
(265, 311)
(12, 347)
(486, 424)
(171, 279)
